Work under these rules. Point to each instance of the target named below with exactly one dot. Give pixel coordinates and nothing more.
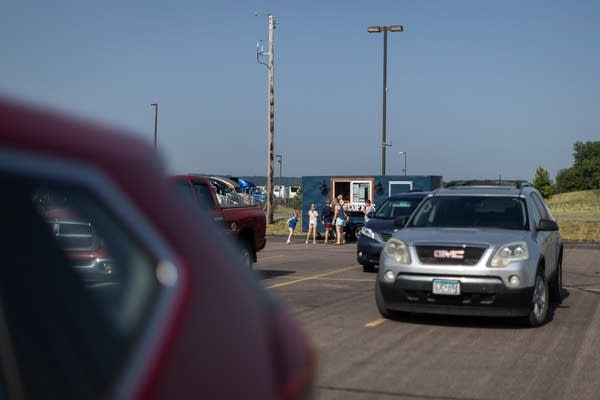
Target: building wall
(317, 189)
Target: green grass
(577, 213)
(279, 225)
(580, 205)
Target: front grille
(450, 255)
(75, 236)
(385, 236)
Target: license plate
(446, 286)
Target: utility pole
(270, 113)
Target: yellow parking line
(373, 324)
(312, 277)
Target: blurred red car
(183, 320)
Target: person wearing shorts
(327, 219)
(292, 221)
(339, 216)
(313, 215)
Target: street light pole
(405, 157)
(155, 105)
(384, 29)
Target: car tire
(247, 254)
(357, 231)
(368, 267)
(381, 306)
(556, 286)
(538, 313)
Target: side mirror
(370, 214)
(400, 222)
(547, 225)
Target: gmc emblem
(455, 254)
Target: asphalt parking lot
(362, 356)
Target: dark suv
(382, 224)
(474, 250)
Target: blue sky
(476, 89)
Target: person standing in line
(327, 219)
(313, 215)
(369, 207)
(339, 217)
(292, 221)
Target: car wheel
(538, 312)
(357, 231)
(556, 285)
(381, 307)
(383, 310)
(247, 254)
(368, 267)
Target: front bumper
(95, 269)
(479, 296)
(368, 250)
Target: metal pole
(405, 154)
(155, 105)
(271, 120)
(383, 126)
(280, 161)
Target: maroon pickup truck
(242, 219)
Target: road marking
(373, 324)
(309, 278)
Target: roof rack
(488, 182)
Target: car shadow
(477, 321)
(269, 273)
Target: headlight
(367, 232)
(509, 253)
(395, 252)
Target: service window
(353, 191)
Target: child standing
(313, 214)
(292, 221)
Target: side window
(538, 213)
(115, 269)
(203, 195)
(540, 205)
(78, 291)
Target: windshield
(471, 211)
(394, 208)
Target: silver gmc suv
(487, 248)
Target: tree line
(583, 175)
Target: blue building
(356, 189)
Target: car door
(547, 240)
(63, 335)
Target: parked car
(184, 320)
(244, 222)
(84, 248)
(249, 187)
(474, 250)
(354, 224)
(382, 224)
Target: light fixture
(323, 188)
